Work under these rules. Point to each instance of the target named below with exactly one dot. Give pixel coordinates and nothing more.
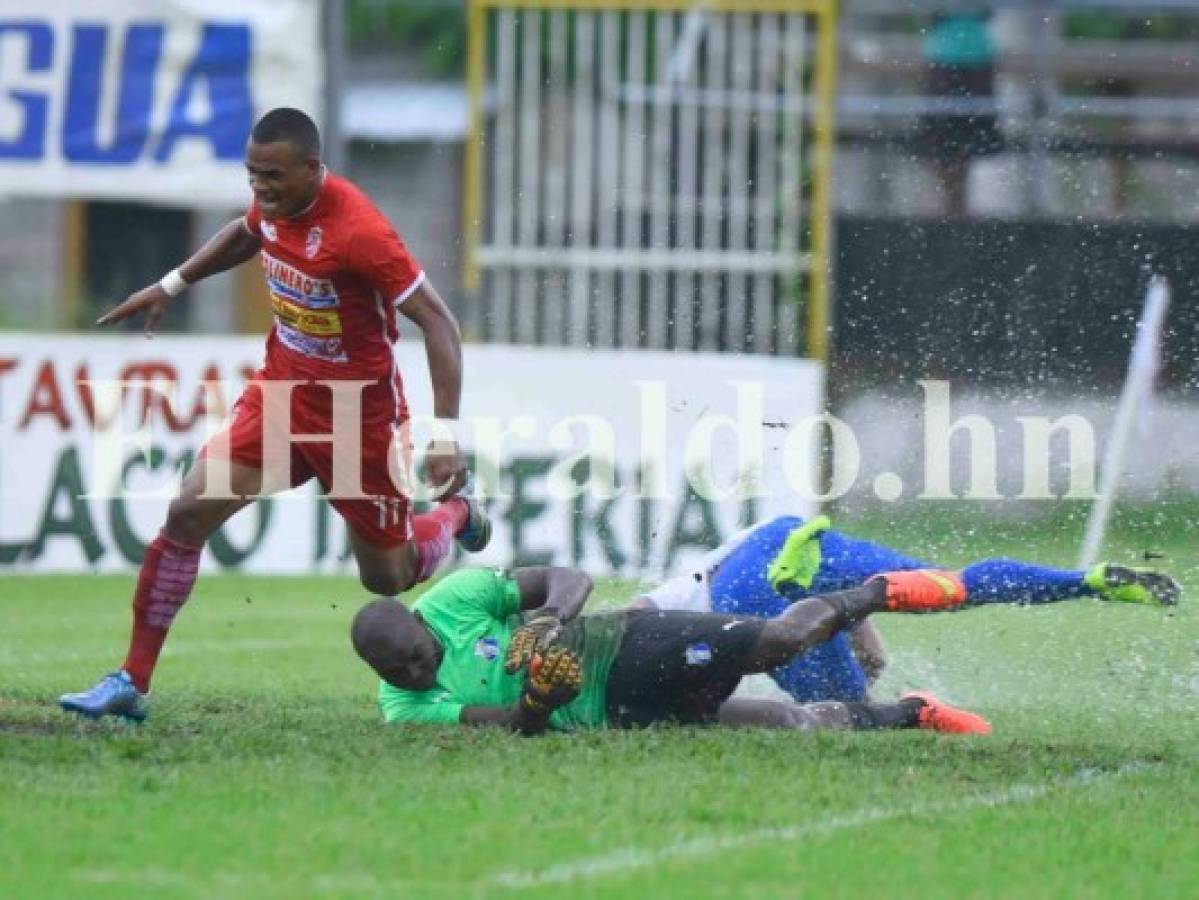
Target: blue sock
(1009, 581)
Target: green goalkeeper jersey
(472, 613)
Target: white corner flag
(1143, 368)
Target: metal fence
(645, 174)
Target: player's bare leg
(920, 710)
(746, 712)
(806, 623)
(194, 515)
(388, 571)
(809, 622)
(165, 582)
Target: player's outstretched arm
(557, 594)
(443, 349)
(555, 679)
(443, 346)
(559, 591)
(229, 247)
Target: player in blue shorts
(763, 569)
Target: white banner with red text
(619, 462)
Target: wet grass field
(266, 772)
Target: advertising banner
(618, 462)
(147, 100)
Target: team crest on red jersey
(268, 231)
(313, 242)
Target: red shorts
(376, 510)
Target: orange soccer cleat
(923, 590)
(937, 715)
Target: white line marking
(630, 858)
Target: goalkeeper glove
(533, 637)
(555, 678)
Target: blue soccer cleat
(476, 533)
(112, 695)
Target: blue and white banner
(147, 99)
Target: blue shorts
(828, 671)
(739, 587)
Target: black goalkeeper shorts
(676, 666)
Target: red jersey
(336, 274)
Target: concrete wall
(212, 304)
(419, 188)
(31, 260)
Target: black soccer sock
(855, 604)
(869, 716)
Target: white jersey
(691, 591)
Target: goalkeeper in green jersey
(485, 647)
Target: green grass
(265, 771)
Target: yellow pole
(826, 73)
(472, 194)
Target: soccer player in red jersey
(337, 273)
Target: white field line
(630, 858)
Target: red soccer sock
(433, 534)
(168, 573)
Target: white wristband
(172, 283)
(448, 429)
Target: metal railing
(651, 173)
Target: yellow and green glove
(535, 636)
(555, 678)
